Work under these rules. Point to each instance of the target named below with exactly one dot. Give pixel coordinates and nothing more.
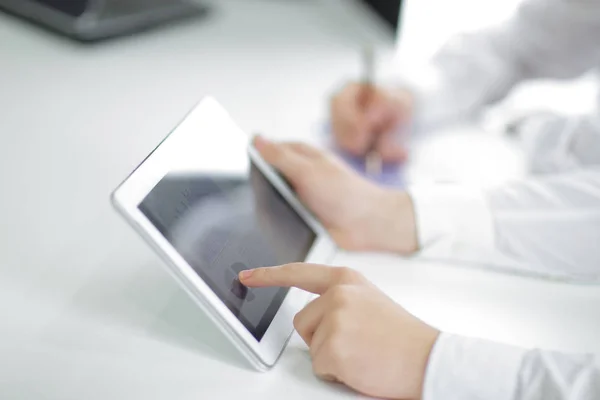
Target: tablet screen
(222, 225)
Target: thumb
(282, 157)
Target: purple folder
(392, 173)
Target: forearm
(394, 223)
(468, 73)
(551, 223)
(463, 368)
(550, 226)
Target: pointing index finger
(310, 277)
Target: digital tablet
(211, 207)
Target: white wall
(427, 24)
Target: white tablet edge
(129, 195)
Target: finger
(323, 366)
(377, 117)
(377, 113)
(308, 319)
(280, 156)
(379, 106)
(323, 370)
(310, 277)
(329, 378)
(350, 131)
(349, 121)
(386, 119)
(389, 148)
(353, 139)
(304, 149)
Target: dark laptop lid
(91, 20)
(389, 10)
(74, 8)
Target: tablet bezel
(209, 116)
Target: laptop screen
(389, 10)
(71, 7)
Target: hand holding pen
(366, 118)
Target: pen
(373, 162)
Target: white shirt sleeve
(545, 39)
(551, 225)
(472, 369)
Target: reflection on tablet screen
(223, 225)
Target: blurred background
(272, 63)
(84, 97)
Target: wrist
(452, 212)
(429, 340)
(414, 349)
(396, 230)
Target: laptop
(388, 10)
(91, 20)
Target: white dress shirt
(549, 223)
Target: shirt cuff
(463, 368)
(452, 212)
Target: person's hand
(356, 334)
(356, 124)
(358, 214)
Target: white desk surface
(87, 311)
